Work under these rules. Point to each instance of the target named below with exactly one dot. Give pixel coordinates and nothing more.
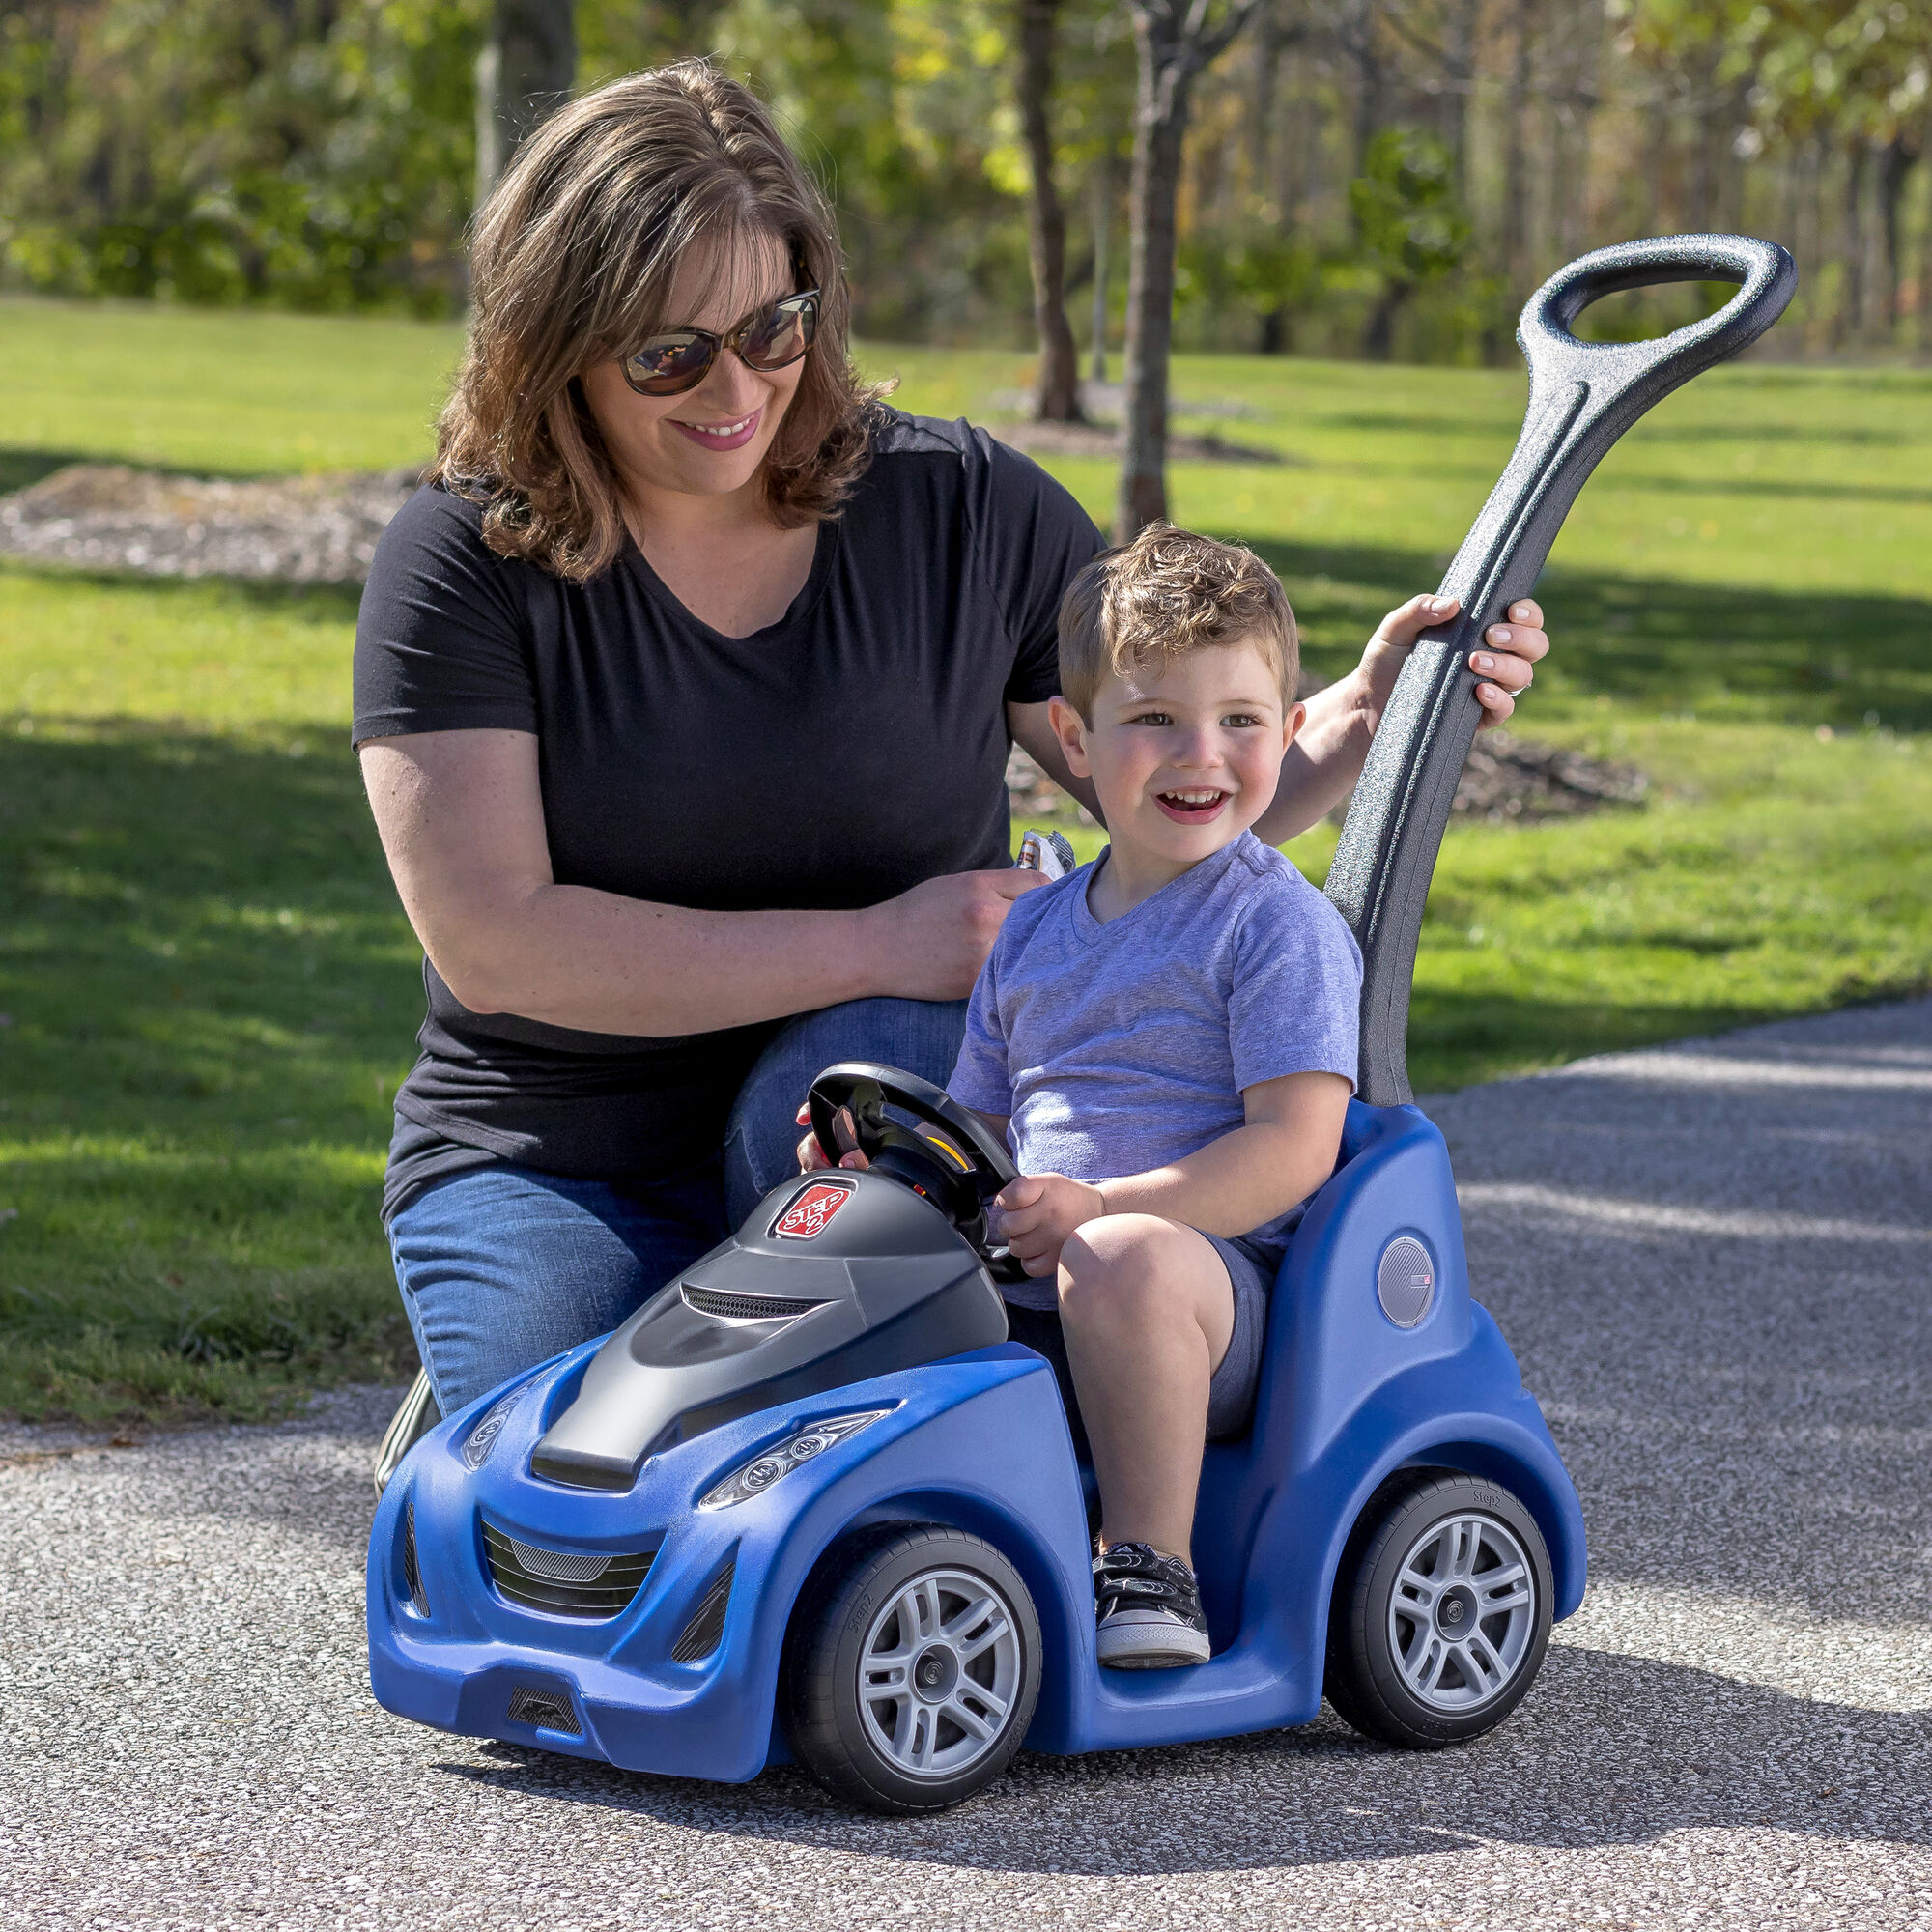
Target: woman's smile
(723, 436)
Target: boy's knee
(1112, 1267)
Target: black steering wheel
(955, 1163)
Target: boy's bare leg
(1148, 1312)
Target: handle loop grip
(1582, 396)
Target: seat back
(1332, 1340)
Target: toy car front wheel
(1442, 1611)
(912, 1669)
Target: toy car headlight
(782, 1457)
(481, 1439)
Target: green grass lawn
(209, 993)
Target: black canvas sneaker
(1147, 1610)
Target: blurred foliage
(1405, 211)
(1409, 229)
(311, 152)
(1389, 177)
(318, 153)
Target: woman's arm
(461, 817)
(1326, 757)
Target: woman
(684, 695)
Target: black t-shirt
(836, 759)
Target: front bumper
(979, 1437)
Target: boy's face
(1185, 761)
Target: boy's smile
(1184, 760)
(1191, 807)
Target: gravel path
(1713, 1262)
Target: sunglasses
(680, 358)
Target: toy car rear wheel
(912, 1669)
(1442, 1611)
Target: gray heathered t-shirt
(1117, 1048)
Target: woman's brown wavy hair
(571, 263)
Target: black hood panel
(883, 1283)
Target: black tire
(869, 1600)
(1402, 1666)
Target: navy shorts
(1252, 1266)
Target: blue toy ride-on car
(809, 1501)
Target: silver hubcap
(1463, 1613)
(938, 1673)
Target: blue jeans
(502, 1267)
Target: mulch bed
(1507, 779)
(1510, 778)
(290, 530)
(322, 529)
(1099, 438)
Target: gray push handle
(1582, 396)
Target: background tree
(1057, 392)
(1174, 39)
(524, 71)
(322, 153)
(307, 154)
(1412, 228)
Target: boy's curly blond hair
(1166, 594)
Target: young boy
(1167, 1037)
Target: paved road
(1714, 1262)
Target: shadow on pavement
(1610, 1750)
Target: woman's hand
(844, 1130)
(1326, 757)
(1505, 664)
(1039, 1212)
(930, 943)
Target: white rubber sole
(1145, 1640)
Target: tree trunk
(524, 74)
(1591, 29)
(1894, 168)
(1264, 162)
(1270, 42)
(1460, 116)
(1650, 173)
(1708, 135)
(1172, 43)
(1360, 28)
(1058, 397)
(1852, 315)
(1516, 115)
(1810, 228)
(1162, 120)
(1731, 165)
(1103, 222)
(1379, 335)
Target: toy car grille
(705, 1630)
(565, 1582)
(411, 1568)
(746, 1307)
(543, 1709)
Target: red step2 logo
(805, 1218)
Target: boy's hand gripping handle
(1582, 396)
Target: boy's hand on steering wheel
(1039, 1212)
(1506, 663)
